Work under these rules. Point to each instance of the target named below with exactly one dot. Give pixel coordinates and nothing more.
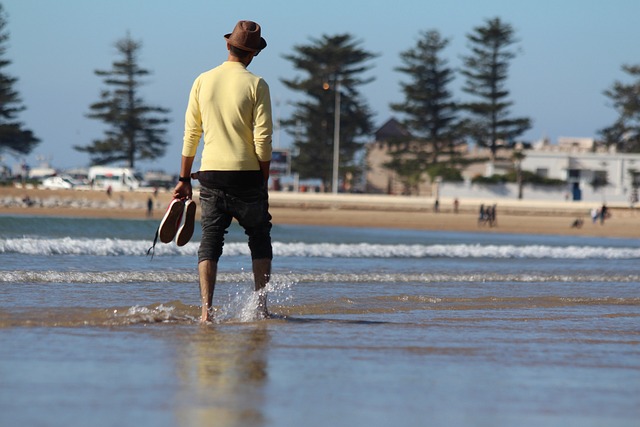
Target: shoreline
(391, 212)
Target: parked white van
(119, 179)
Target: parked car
(118, 179)
(58, 183)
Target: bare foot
(206, 316)
(263, 313)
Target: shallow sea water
(370, 328)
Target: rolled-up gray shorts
(250, 207)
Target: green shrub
(446, 172)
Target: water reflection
(222, 372)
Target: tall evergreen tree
(486, 71)
(625, 132)
(429, 112)
(13, 137)
(330, 63)
(135, 130)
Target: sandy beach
(340, 210)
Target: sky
(569, 52)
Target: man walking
(232, 108)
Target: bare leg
(261, 276)
(207, 270)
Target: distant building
(380, 179)
(572, 144)
(591, 173)
(573, 160)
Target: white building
(607, 173)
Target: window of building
(599, 179)
(542, 172)
(574, 174)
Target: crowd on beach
(150, 204)
(487, 214)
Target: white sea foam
(122, 247)
(138, 314)
(91, 247)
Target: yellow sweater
(232, 106)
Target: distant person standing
(491, 216)
(149, 207)
(232, 108)
(604, 213)
(482, 215)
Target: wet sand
(343, 210)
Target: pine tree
(429, 112)
(135, 130)
(486, 71)
(625, 132)
(13, 137)
(330, 63)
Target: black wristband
(184, 179)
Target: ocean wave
(123, 247)
(91, 247)
(367, 250)
(98, 277)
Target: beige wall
(381, 180)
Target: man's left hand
(183, 191)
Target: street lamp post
(336, 139)
(517, 157)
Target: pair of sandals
(178, 222)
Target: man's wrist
(186, 179)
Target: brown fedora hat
(246, 36)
